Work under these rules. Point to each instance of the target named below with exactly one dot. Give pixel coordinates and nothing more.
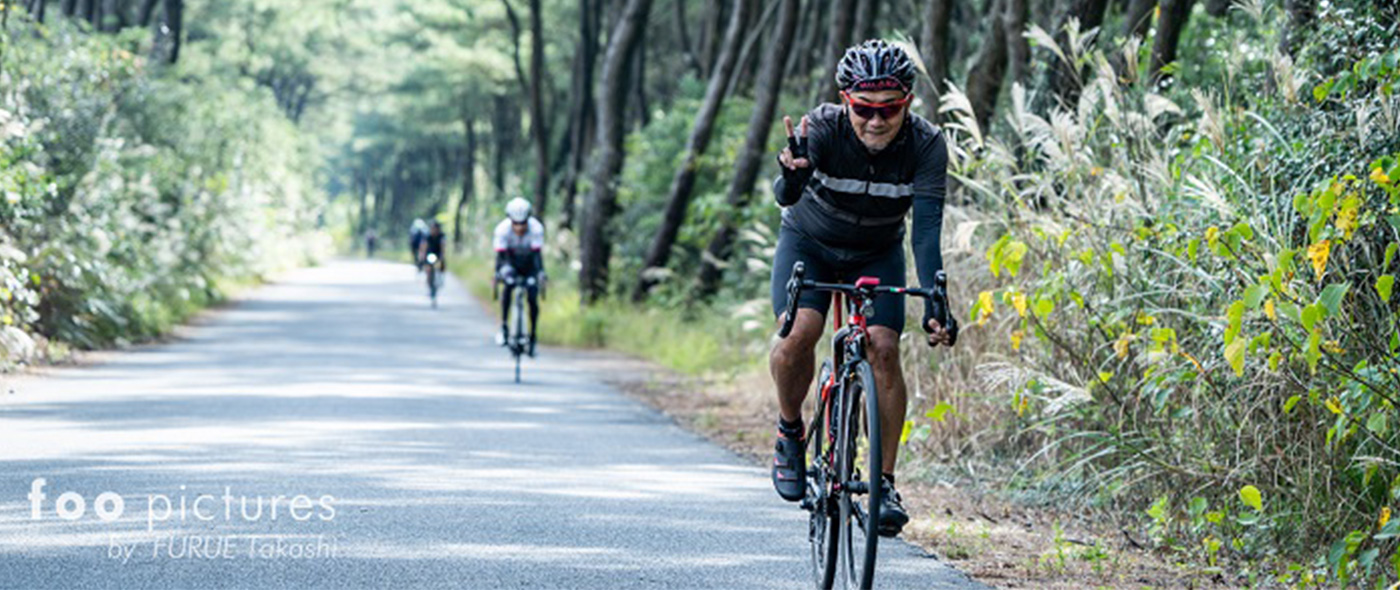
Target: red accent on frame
(864, 282)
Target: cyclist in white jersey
(518, 240)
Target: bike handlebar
(938, 294)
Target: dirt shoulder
(998, 542)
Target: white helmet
(518, 210)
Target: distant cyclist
(432, 244)
(519, 239)
(849, 180)
(416, 234)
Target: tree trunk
(1301, 16)
(745, 66)
(1218, 8)
(1174, 15)
(40, 8)
(595, 243)
(746, 167)
(468, 180)
(539, 124)
(582, 106)
(1063, 79)
(148, 9)
(1138, 18)
(989, 67)
(683, 32)
(1018, 52)
(683, 183)
(937, 17)
(70, 7)
(505, 128)
(838, 38)
(90, 11)
(710, 38)
(174, 23)
(867, 13)
(638, 80)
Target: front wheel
(858, 469)
(823, 529)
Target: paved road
(421, 465)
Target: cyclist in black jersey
(850, 177)
(432, 244)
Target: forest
(1169, 231)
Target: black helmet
(875, 65)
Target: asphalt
(422, 464)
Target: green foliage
(1247, 228)
(134, 195)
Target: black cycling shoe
(893, 517)
(531, 350)
(789, 466)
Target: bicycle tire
(519, 337)
(860, 431)
(823, 528)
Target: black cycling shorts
(838, 265)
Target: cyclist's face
(518, 228)
(877, 131)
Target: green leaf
(1389, 255)
(1311, 353)
(1254, 295)
(1251, 497)
(1274, 360)
(1234, 353)
(1332, 298)
(1383, 286)
(904, 435)
(1311, 315)
(1389, 531)
(1043, 307)
(1378, 423)
(1394, 341)
(1235, 315)
(1292, 401)
(1285, 260)
(940, 411)
(1013, 256)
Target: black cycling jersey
(435, 243)
(854, 200)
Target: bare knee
(806, 331)
(884, 348)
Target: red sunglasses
(868, 110)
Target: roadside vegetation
(1172, 227)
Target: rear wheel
(518, 341)
(432, 284)
(823, 531)
(858, 468)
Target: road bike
(843, 440)
(434, 278)
(518, 341)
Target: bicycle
(434, 278)
(844, 435)
(518, 341)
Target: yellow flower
(1016, 338)
(1333, 404)
(1318, 253)
(1379, 176)
(1269, 310)
(1120, 347)
(7, 319)
(1145, 319)
(1212, 234)
(984, 307)
(1095, 171)
(1385, 516)
(1346, 217)
(1019, 302)
(1333, 347)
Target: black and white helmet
(875, 65)
(518, 210)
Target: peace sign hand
(794, 156)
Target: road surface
(332, 431)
